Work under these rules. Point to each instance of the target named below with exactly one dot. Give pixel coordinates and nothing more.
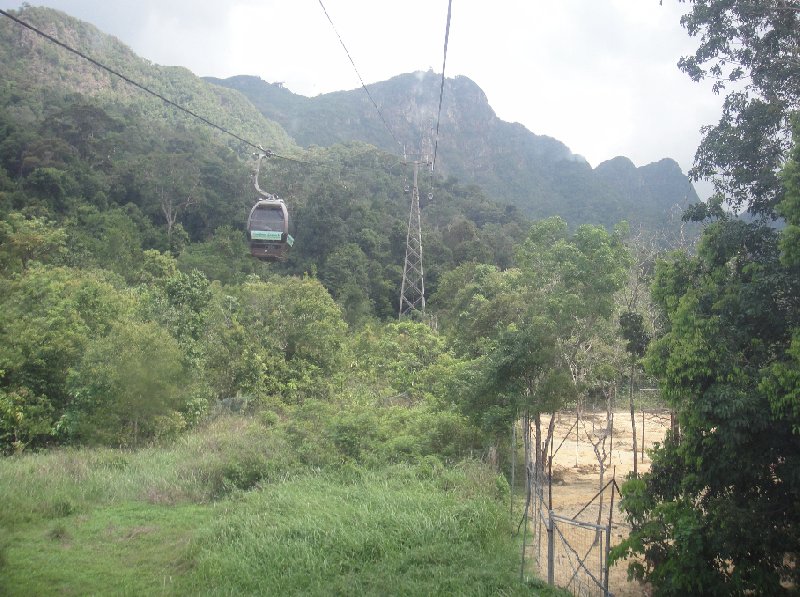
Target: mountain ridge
(537, 173)
(24, 50)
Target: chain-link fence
(572, 553)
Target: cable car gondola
(268, 224)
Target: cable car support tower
(412, 290)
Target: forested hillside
(538, 174)
(109, 148)
(158, 383)
(123, 226)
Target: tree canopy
(749, 50)
(719, 511)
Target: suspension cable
(358, 74)
(441, 90)
(144, 87)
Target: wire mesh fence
(570, 533)
(572, 553)
(579, 555)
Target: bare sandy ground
(576, 471)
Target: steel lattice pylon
(412, 291)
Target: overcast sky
(598, 75)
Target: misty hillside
(34, 70)
(124, 173)
(536, 173)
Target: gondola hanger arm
(263, 153)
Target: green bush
(234, 453)
(325, 434)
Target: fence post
(551, 564)
(608, 536)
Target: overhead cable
(346, 51)
(441, 91)
(143, 87)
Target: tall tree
(719, 511)
(636, 339)
(704, 524)
(540, 323)
(750, 50)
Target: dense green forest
(143, 208)
(150, 369)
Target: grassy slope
(133, 548)
(172, 521)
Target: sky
(600, 76)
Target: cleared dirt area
(576, 471)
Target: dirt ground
(576, 472)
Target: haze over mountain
(538, 174)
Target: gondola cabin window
(267, 220)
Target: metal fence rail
(579, 555)
(568, 552)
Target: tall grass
(300, 505)
(404, 530)
(230, 453)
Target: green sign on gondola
(265, 235)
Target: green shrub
(234, 453)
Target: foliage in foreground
(731, 322)
(234, 508)
(719, 511)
